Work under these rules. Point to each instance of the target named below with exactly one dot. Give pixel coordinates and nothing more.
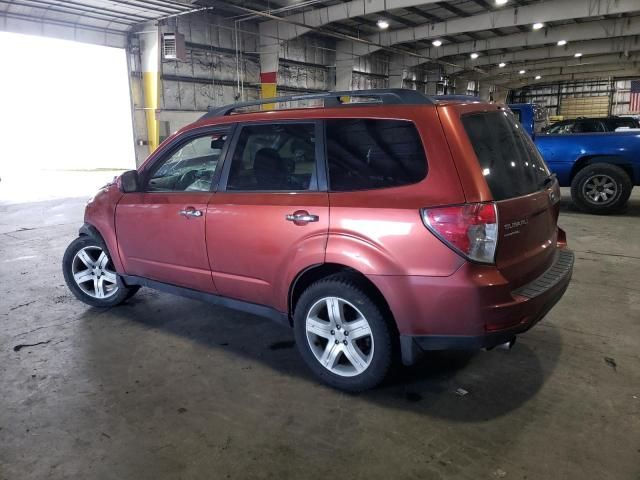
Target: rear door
(526, 197)
(270, 216)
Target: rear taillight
(470, 229)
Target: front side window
(274, 157)
(367, 154)
(508, 158)
(191, 167)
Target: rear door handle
(190, 212)
(302, 217)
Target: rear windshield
(508, 158)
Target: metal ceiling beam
(595, 75)
(453, 9)
(429, 16)
(301, 23)
(549, 11)
(561, 54)
(574, 34)
(560, 67)
(58, 8)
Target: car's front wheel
(342, 334)
(91, 276)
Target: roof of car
(375, 97)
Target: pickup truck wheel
(342, 335)
(601, 188)
(90, 275)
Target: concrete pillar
(269, 73)
(396, 74)
(344, 71)
(485, 91)
(150, 62)
(269, 61)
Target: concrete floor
(165, 387)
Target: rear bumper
(474, 308)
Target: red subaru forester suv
(378, 226)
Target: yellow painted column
(269, 51)
(151, 85)
(268, 85)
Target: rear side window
(624, 122)
(508, 158)
(366, 154)
(588, 126)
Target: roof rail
(468, 98)
(387, 96)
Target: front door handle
(190, 212)
(302, 217)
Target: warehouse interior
(169, 387)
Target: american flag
(634, 99)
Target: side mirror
(129, 181)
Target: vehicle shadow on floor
(458, 386)
(632, 208)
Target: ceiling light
(562, 43)
(502, 65)
(578, 55)
(382, 24)
(538, 25)
(538, 77)
(474, 55)
(436, 43)
(501, 2)
(522, 72)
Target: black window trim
(321, 177)
(175, 145)
(326, 155)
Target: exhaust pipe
(507, 345)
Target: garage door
(593, 106)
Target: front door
(161, 229)
(270, 217)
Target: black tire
(618, 200)
(381, 335)
(119, 291)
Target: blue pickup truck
(600, 168)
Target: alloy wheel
(339, 336)
(93, 272)
(600, 189)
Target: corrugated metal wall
(590, 94)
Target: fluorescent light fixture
(538, 25)
(382, 24)
(474, 55)
(436, 43)
(501, 2)
(522, 72)
(502, 65)
(538, 77)
(561, 43)
(578, 55)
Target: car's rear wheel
(91, 276)
(342, 334)
(601, 188)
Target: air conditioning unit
(173, 47)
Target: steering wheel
(187, 179)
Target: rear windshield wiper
(548, 180)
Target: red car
(390, 225)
